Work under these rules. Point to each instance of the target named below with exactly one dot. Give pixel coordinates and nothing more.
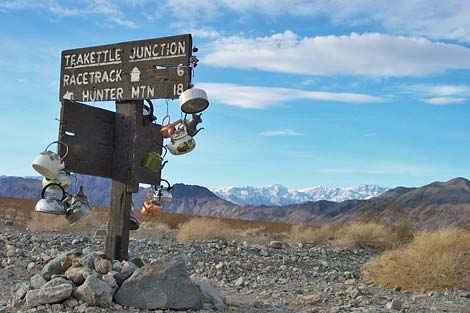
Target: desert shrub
(432, 261)
(42, 221)
(403, 233)
(203, 228)
(310, 234)
(367, 234)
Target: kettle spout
(197, 131)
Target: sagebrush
(432, 261)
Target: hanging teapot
(79, 208)
(168, 128)
(181, 142)
(164, 193)
(151, 207)
(154, 161)
(52, 205)
(193, 100)
(191, 125)
(48, 163)
(63, 179)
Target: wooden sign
(147, 69)
(90, 134)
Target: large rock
(37, 281)
(78, 274)
(160, 285)
(22, 290)
(94, 291)
(56, 282)
(89, 260)
(57, 265)
(126, 271)
(210, 294)
(48, 295)
(103, 266)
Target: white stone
(239, 282)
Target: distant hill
(434, 205)
(20, 187)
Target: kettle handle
(168, 183)
(53, 184)
(163, 120)
(164, 148)
(150, 116)
(59, 143)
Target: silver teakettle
(79, 207)
(52, 205)
(191, 124)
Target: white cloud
(369, 54)
(205, 33)
(284, 132)
(441, 94)
(256, 97)
(442, 90)
(110, 11)
(444, 100)
(435, 19)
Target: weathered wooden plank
(117, 239)
(127, 71)
(89, 134)
(128, 114)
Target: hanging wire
(167, 112)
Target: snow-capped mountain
(280, 195)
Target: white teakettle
(181, 142)
(50, 164)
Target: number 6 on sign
(180, 71)
(177, 89)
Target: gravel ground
(250, 277)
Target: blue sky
(302, 93)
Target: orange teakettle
(151, 207)
(169, 128)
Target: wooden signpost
(147, 69)
(113, 144)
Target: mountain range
(280, 195)
(431, 206)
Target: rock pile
(75, 277)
